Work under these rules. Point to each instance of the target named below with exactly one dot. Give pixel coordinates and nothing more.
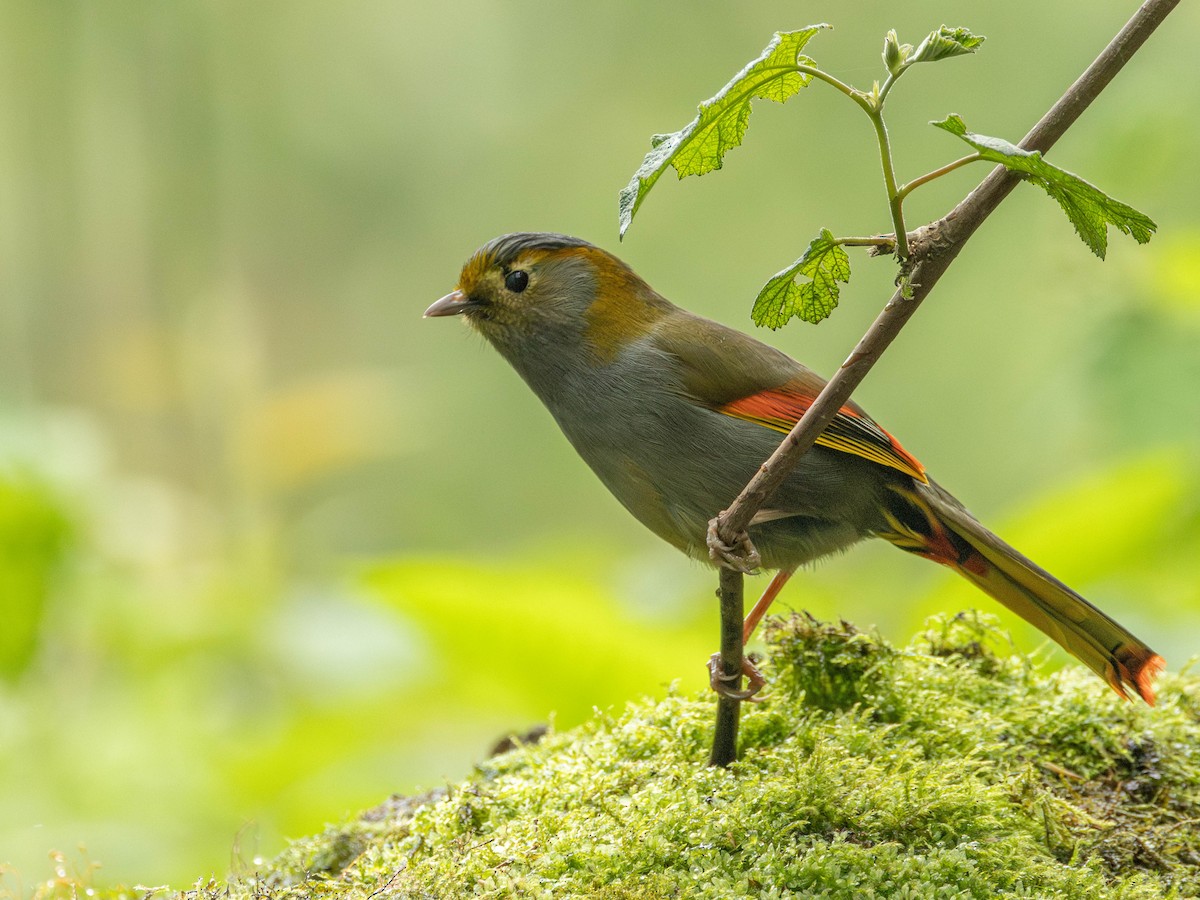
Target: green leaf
(1090, 210)
(700, 146)
(824, 263)
(945, 43)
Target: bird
(675, 413)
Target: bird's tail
(928, 521)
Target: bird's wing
(851, 431)
(735, 375)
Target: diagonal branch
(933, 248)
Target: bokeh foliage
(272, 547)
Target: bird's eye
(516, 281)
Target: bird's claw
(722, 683)
(741, 556)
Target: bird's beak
(453, 304)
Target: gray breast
(674, 465)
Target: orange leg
(764, 603)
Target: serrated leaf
(700, 146)
(824, 264)
(1090, 210)
(946, 43)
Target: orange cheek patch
(613, 321)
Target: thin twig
(857, 96)
(933, 247)
(906, 189)
(882, 242)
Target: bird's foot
(723, 684)
(741, 556)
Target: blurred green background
(272, 547)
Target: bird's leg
(764, 603)
(741, 556)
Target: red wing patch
(850, 432)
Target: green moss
(939, 770)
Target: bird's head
(531, 289)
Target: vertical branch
(724, 747)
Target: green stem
(887, 86)
(879, 240)
(856, 95)
(905, 190)
(895, 201)
(872, 106)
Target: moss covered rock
(938, 770)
